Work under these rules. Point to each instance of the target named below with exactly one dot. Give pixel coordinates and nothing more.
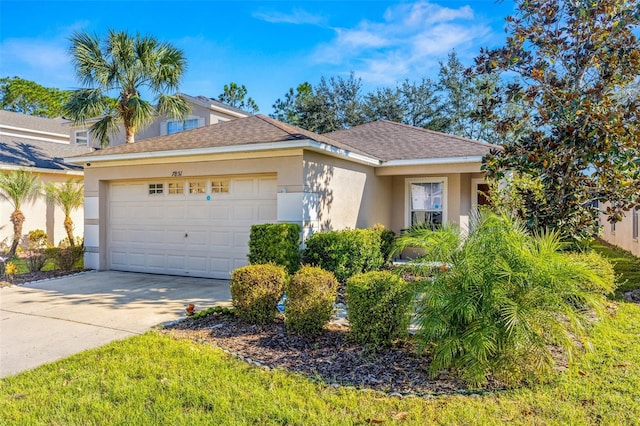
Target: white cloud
(297, 16)
(407, 42)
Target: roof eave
(266, 146)
(433, 161)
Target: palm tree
(69, 196)
(113, 72)
(18, 187)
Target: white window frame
(197, 182)
(164, 127)
(155, 189)
(177, 183)
(78, 136)
(223, 186)
(429, 179)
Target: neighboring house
(184, 203)
(39, 145)
(204, 111)
(623, 234)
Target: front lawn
(626, 265)
(154, 379)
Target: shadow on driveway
(49, 320)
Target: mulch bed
(33, 276)
(330, 357)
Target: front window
(179, 126)
(426, 202)
(82, 137)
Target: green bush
(37, 239)
(378, 307)
(603, 278)
(65, 258)
(256, 290)
(503, 299)
(345, 253)
(277, 243)
(311, 294)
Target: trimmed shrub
(277, 243)
(36, 260)
(311, 294)
(256, 290)
(378, 307)
(65, 258)
(345, 253)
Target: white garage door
(194, 226)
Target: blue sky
(269, 46)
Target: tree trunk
(130, 132)
(17, 218)
(68, 226)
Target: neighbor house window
(426, 201)
(156, 188)
(82, 137)
(181, 125)
(197, 187)
(220, 186)
(636, 211)
(176, 188)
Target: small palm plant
(499, 298)
(18, 187)
(69, 196)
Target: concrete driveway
(50, 320)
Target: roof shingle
(388, 140)
(41, 154)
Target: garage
(195, 226)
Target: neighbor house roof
(391, 141)
(256, 132)
(214, 104)
(32, 127)
(19, 152)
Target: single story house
(38, 145)
(183, 204)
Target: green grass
(154, 379)
(23, 268)
(626, 265)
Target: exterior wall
(349, 195)
(288, 169)
(622, 236)
(39, 214)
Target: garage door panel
(147, 232)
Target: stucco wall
(40, 214)
(350, 195)
(623, 234)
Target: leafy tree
(69, 196)
(18, 187)
(123, 65)
(28, 97)
(334, 104)
(236, 96)
(575, 65)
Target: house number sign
(176, 173)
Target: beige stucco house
(624, 234)
(204, 111)
(184, 203)
(38, 145)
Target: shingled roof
(19, 152)
(388, 140)
(252, 130)
(38, 124)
